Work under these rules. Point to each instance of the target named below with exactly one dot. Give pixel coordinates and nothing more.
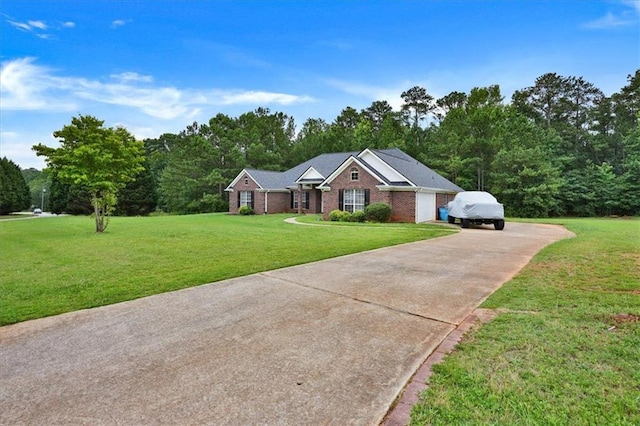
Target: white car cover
(475, 205)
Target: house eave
(414, 189)
(273, 190)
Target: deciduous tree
(101, 160)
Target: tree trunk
(98, 212)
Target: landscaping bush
(357, 216)
(378, 212)
(335, 215)
(342, 216)
(245, 210)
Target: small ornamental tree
(101, 160)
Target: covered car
(477, 207)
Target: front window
(353, 200)
(245, 198)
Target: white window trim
(245, 198)
(353, 200)
(356, 172)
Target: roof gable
(265, 179)
(349, 161)
(310, 175)
(383, 168)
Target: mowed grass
(565, 350)
(54, 265)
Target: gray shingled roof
(326, 164)
(267, 179)
(414, 170)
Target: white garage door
(425, 207)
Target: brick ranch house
(346, 181)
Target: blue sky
(157, 66)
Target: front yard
(54, 265)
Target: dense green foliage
(559, 147)
(245, 211)
(54, 265)
(14, 192)
(39, 187)
(378, 212)
(96, 159)
(564, 346)
(344, 216)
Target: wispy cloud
(372, 92)
(29, 25)
(24, 85)
(608, 21)
(118, 23)
(38, 27)
(629, 16)
(132, 76)
(38, 24)
(255, 97)
(635, 4)
(20, 25)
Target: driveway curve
(331, 342)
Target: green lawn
(54, 265)
(567, 348)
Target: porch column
(299, 198)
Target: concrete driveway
(332, 342)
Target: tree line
(559, 147)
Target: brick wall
(443, 199)
(403, 206)
(343, 181)
(315, 201)
(278, 202)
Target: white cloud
(616, 20)
(635, 4)
(259, 98)
(17, 147)
(28, 26)
(37, 27)
(118, 23)
(20, 25)
(373, 93)
(38, 24)
(608, 21)
(25, 85)
(132, 76)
